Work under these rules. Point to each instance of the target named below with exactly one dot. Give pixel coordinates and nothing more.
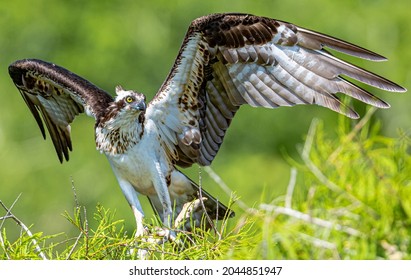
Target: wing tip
(398, 88)
(387, 85)
(351, 114)
(317, 40)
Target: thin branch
(224, 187)
(5, 218)
(309, 219)
(73, 188)
(320, 243)
(3, 245)
(290, 187)
(200, 196)
(24, 227)
(86, 230)
(74, 245)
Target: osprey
(225, 61)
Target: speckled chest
(141, 162)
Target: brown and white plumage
(59, 96)
(226, 60)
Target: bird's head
(129, 100)
(127, 107)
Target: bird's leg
(132, 199)
(161, 188)
(139, 216)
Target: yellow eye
(129, 99)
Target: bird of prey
(225, 61)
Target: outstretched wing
(58, 96)
(227, 60)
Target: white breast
(136, 165)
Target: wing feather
(58, 95)
(316, 41)
(227, 60)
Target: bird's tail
(215, 209)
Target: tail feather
(215, 209)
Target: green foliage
(349, 197)
(351, 200)
(134, 43)
(357, 184)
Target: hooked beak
(140, 105)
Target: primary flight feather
(225, 61)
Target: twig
(201, 200)
(23, 226)
(74, 245)
(86, 230)
(290, 187)
(319, 242)
(309, 219)
(1, 236)
(82, 226)
(73, 188)
(224, 187)
(5, 218)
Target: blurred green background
(134, 43)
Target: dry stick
(83, 227)
(74, 245)
(309, 219)
(86, 230)
(200, 196)
(290, 187)
(224, 187)
(23, 226)
(322, 244)
(229, 192)
(78, 208)
(73, 188)
(319, 242)
(1, 237)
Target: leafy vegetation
(344, 195)
(134, 43)
(348, 197)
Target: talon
(141, 232)
(186, 211)
(167, 234)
